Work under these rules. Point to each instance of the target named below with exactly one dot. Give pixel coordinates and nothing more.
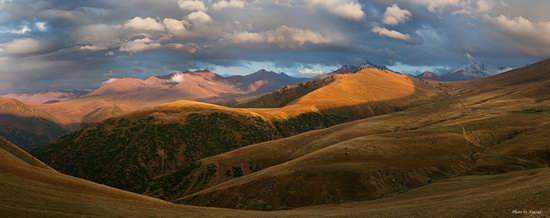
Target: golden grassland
(29, 189)
(474, 149)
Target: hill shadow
(29, 132)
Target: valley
(475, 144)
(280, 108)
(249, 154)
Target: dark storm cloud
(79, 44)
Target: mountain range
(472, 71)
(372, 143)
(186, 131)
(39, 118)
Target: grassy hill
(471, 133)
(365, 93)
(196, 153)
(26, 125)
(28, 188)
(145, 150)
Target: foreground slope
(29, 188)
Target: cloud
(110, 80)
(199, 17)
(27, 46)
(530, 37)
(228, 4)
(175, 27)
(41, 26)
(187, 48)
(485, 5)
(147, 24)
(285, 37)
(91, 48)
(192, 5)
(100, 35)
(391, 33)
(436, 5)
(177, 78)
(395, 15)
(139, 45)
(309, 71)
(349, 9)
(21, 31)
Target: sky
(58, 44)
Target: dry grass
(482, 151)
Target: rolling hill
(27, 125)
(31, 189)
(368, 92)
(473, 132)
(479, 158)
(132, 151)
(121, 95)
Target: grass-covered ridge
(155, 155)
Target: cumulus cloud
(395, 15)
(41, 26)
(484, 5)
(228, 4)
(391, 33)
(285, 37)
(350, 9)
(27, 46)
(177, 78)
(435, 5)
(187, 48)
(100, 35)
(23, 30)
(199, 17)
(146, 24)
(139, 45)
(175, 27)
(192, 5)
(91, 48)
(531, 37)
(309, 71)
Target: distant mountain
(151, 150)
(262, 81)
(46, 97)
(472, 71)
(199, 85)
(354, 68)
(121, 95)
(427, 75)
